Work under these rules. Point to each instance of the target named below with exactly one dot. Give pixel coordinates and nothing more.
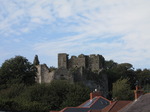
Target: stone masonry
(93, 62)
(74, 70)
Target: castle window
(62, 77)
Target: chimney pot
(138, 92)
(94, 94)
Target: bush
(43, 97)
(122, 90)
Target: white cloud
(119, 29)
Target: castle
(93, 62)
(74, 70)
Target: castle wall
(43, 75)
(62, 60)
(38, 76)
(80, 61)
(63, 74)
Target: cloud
(104, 20)
(117, 29)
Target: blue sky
(116, 29)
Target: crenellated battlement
(93, 62)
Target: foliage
(146, 88)
(115, 71)
(8, 96)
(77, 94)
(52, 68)
(143, 76)
(8, 105)
(36, 60)
(110, 64)
(13, 91)
(42, 97)
(121, 70)
(122, 90)
(19, 92)
(16, 71)
(96, 76)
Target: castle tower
(63, 60)
(96, 62)
(80, 61)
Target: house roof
(97, 103)
(142, 104)
(116, 106)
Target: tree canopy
(36, 60)
(43, 97)
(17, 70)
(19, 92)
(122, 90)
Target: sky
(117, 29)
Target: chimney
(94, 94)
(138, 92)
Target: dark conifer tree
(36, 60)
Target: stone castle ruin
(93, 62)
(80, 69)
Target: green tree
(55, 96)
(110, 64)
(52, 68)
(124, 70)
(8, 97)
(17, 70)
(143, 76)
(146, 88)
(122, 90)
(78, 94)
(36, 60)
(116, 71)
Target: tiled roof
(75, 109)
(141, 105)
(100, 104)
(95, 111)
(97, 103)
(106, 109)
(116, 106)
(54, 111)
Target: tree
(36, 60)
(77, 95)
(116, 71)
(52, 68)
(121, 90)
(17, 70)
(110, 64)
(143, 76)
(52, 96)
